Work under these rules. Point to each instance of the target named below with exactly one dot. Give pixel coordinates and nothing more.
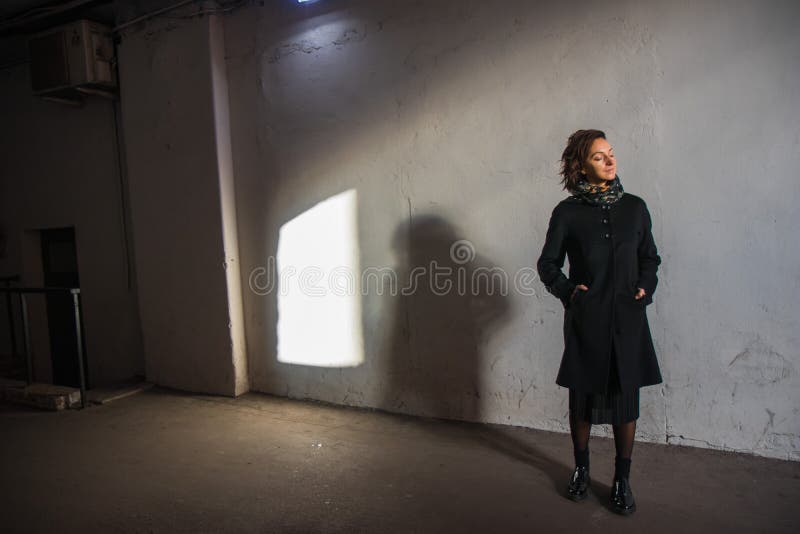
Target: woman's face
(601, 165)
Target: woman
(608, 351)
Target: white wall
(181, 193)
(59, 169)
(448, 119)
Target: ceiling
(21, 17)
(13, 7)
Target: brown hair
(575, 154)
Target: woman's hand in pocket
(579, 287)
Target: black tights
(623, 435)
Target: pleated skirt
(615, 407)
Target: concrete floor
(163, 461)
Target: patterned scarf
(595, 195)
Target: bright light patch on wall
(319, 309)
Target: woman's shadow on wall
(448, 303)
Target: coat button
(607, 236)
(605, 221)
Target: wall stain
(760, 364)
(306, 46)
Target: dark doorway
(60, 266)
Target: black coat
(611, 251)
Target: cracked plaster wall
(174, 119)
(58, 168)
(449, 117)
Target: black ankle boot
(622, 497)
(578, 487)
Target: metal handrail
(76, 302)
(7, 281)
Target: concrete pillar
(177, 135)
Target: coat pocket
(577, 300)
(639, 303)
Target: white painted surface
(460, 110)
(58, 168)
(177, 207)
(448, 119)
(227, 197)
(319, 290)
